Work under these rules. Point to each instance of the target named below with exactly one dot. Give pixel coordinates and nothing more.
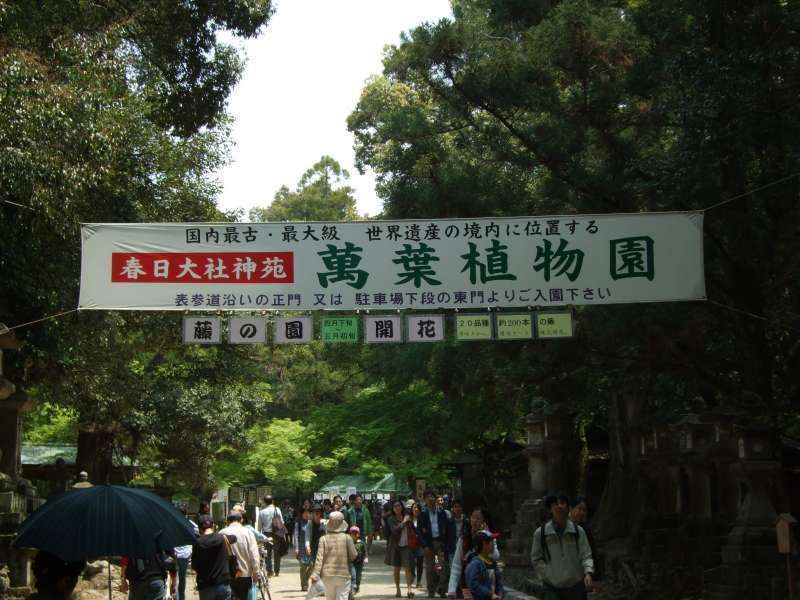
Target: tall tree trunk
(95, 454)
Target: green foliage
(321, 195)
(613, 106)
(109, 115)
(50, 423)
(280, 451)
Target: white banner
(380, 265)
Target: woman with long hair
(478, 521)
(400, 545)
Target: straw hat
(336, 523)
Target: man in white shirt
(270, 523)
(245, 549)
(183, 554)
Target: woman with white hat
(335, 554)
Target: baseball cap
(234, 515)
(354, 529)
(205, 522)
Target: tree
(107, 115)
(617, 107)
(281, 451)
(320, 196)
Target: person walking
(400, 545)
(418, 555)
(245, 549)
(183, 555)
(561, 554)
(478, 520)
(54, 579)
(358, 515)
(434, 533)
(377, 521)
(361, 560)
(460, 524)
(270, 523)
(335, 554)
(146, 578)
(301, 542)
(315, 530)
(483, 575)
(210, 561)
(579, 514)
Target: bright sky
(304, 76)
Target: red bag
(412, 538)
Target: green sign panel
(339, 329)
(473, 327)
(517, 326)
(554, 325)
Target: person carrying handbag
(213, 562)
(245, 550)
(270, 523)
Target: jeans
(221, 591)
(183, 567)
(148, 589)
(356, 569)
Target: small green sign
(517, 326)
(339, 330)
(473, 327)
(554, 325)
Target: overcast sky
(304, 76)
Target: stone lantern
(536, 426)
(749, 557)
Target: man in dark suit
(434, 528)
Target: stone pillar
(11, 411)
(535, 452)
(528, 516)
(751, 566)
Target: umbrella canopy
(105, 520)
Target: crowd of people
(455, 550)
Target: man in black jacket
(210, 561)
(434, 528)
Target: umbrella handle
(109, 579)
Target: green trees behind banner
(507, 108)
(571, 106)
(107, 114)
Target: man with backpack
(561, 554)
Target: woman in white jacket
(477, 522)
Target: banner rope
(750, 192)
(5, 330)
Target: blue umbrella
(105, 520)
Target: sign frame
(475, 314)
(217, 329)
(508, 315)
(558, 313)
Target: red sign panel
(202, 267)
